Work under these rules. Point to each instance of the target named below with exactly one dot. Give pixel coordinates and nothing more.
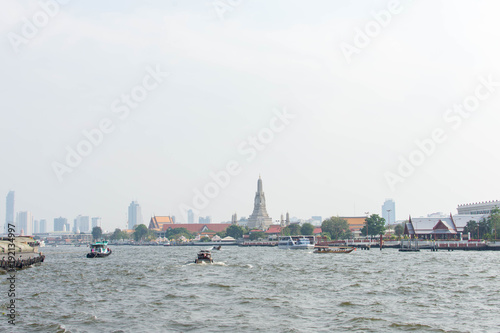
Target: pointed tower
(282, 221)
(287, 219)
(259, 218)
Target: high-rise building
(134, 214)
(389, 211)
(96, 222)
(259, 218)
(9, 211)
(24, 224)
(205, 220)
(43, 226)
(316, 220)
(82, 223)
(190, 216)
(61, 224)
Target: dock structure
(21, 260)
(259, 243)
(19, 252)
(410, 245)
(414, 245)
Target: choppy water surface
(155, 289)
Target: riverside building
(478, 208)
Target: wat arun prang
(259, 218)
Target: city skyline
(86, 223)
(188, 109)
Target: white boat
(287, 242)
(302, 244)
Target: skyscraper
(24, 224)
(43, 226)
(259, 218)
(190, 216)
(96, 222)
(84, 223)
(205, 220)
(134, 214)
(9, 211)
(389, 211)
(60, 224)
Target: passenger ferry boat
(286, 242)
(204, 256)
(302, 243)
(99, 250)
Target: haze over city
(153, 101)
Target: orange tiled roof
(317, 230)
(355, 223)
(273, 229)
(158, 221)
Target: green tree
(97, 233)
(375, 224)
(494, 221)
(257, 235)
(116, 235)
(471, 227)
(294, 229)
(307, 229)
(178, 232)
(326, 235)
(336, 227)
(141, 231)
(484, 228)
(235, 231)
(205, 239)
(399, 229)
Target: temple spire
(259, 217)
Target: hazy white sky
(352, 106)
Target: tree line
(487, 228)
(332, 228)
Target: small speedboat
(204, 256)
(217, 247)
(99, 250)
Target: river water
(156, 289)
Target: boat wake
(215, 263)
(219, 263)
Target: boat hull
(98, 254)
(334, 250)
(302, 247)
(201, 261)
